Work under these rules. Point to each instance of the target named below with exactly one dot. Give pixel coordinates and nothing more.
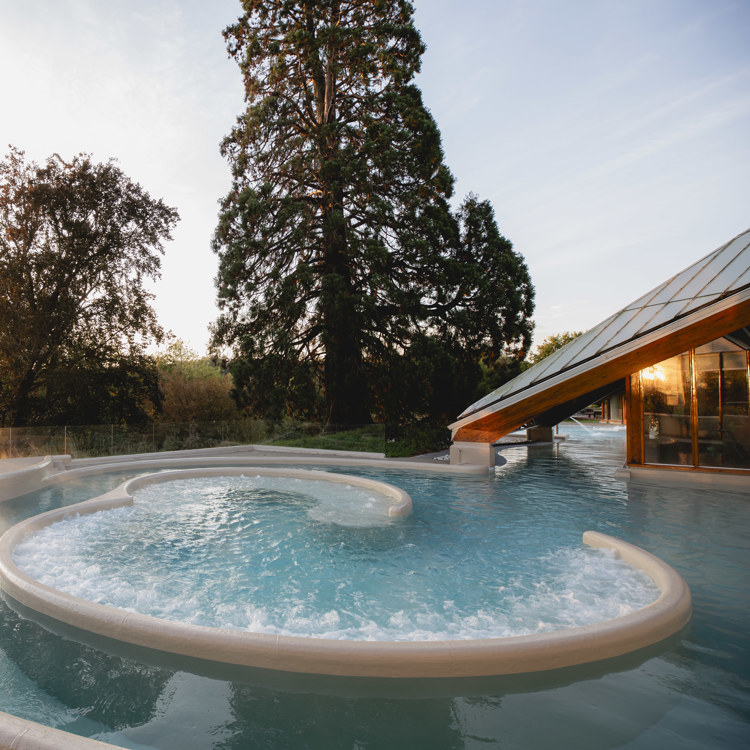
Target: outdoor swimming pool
(691, 693)
(294, 557)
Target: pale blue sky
(612, 136)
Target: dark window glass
(722, 400)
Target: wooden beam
(563, 411)
(634, 406)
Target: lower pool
(689, 693)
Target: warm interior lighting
(653, 373)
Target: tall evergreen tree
(337, 244)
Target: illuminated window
(696, 408)
(721, 387)
(667, 423)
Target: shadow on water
(131, 696)
(30, 628)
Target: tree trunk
(346, 393)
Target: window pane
(666, 407)
(723, 413)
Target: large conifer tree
(337, 243)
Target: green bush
(415, 439)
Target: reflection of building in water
(674, 365)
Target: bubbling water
(294, 557)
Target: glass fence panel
(83, 441)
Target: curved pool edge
(22, 734)
(401, 505)
(53, 469)
(387, 659)
(254, 456)
(19, 476)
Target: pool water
(297, 557)
(691, 693)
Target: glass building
(674, 364)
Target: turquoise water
(294, 557)
(693, 692)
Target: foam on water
(275, 555)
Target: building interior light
(654, 373)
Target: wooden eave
(716, 319)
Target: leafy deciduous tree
(194, 389)
(77, 242)
(114, 388)
(552, 344)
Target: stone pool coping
(19, 476)
(375, 659)
(21, 734)
(123, 494)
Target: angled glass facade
(696, 408)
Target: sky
(611, 136)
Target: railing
(112, 440)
